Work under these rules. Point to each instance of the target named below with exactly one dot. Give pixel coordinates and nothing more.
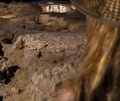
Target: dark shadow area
(39, 55)
(7, 74)
(7, 41)
(1, 51)
(8, 37)
(1, 98)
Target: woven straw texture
(104, 10)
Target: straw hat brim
(91, 11)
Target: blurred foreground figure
(99, 73)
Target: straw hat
(107, 11)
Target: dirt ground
(35, 59)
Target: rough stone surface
(36, 58)
(45, 60)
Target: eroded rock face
(40, 63)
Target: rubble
(45, 60)
(36, 57)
